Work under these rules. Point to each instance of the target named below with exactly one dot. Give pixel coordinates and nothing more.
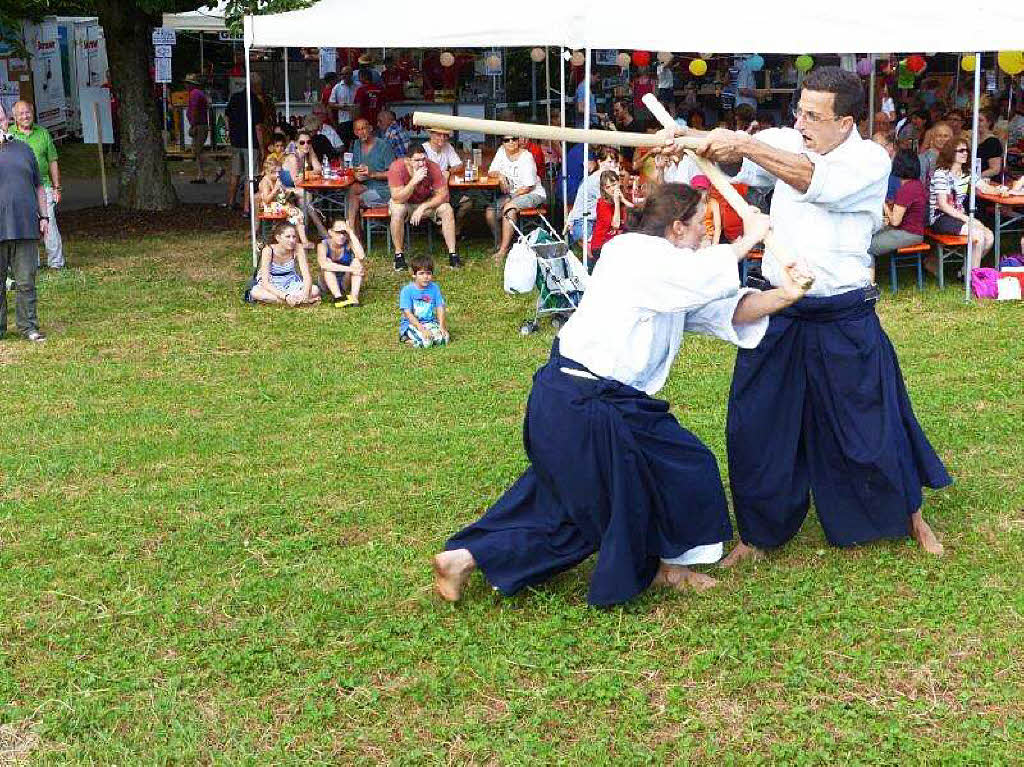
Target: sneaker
(454, 261)
(35, 336)
(345, 303)
(400, 265)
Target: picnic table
(1010, 224)
(487, 184)
(329, 195)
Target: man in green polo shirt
(37, 137)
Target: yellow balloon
(1011, 62)
(967, 63)
(698, 67)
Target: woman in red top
(610, 213)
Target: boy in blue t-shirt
(423, 320)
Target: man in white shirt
(611, 469)
(342, 104)
(820, 406)
(522, 186)
(440, 151)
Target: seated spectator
(695, 119)
(905, 216)
(424, 319)
(341, 260)
(326, 129)
(934, 140)
(884, 140)
(419, 192)
(275, 147)
(322, 148)
(611, 213)
(391, 130)
(299, 163)
(371, 159)
(271, 191)
(439, 150)
(1015, 128)
(369, 97)
(947, 192)
(537, 152)
(727, 226)
(522, 186)
(584, 208)
(574, 170)
(283, 276)
(990, 148)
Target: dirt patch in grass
(186, 219)
(17, 742)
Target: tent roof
(205, 19)
(879, 26)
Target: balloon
(447, 59)
(538, 55)
(864, 67)
(664, 57)
(698, 67)
(623, 60)
(493, 61)
(641, 58)
(577, 58)
(804, 63)
(1011, 62)
(916, 63)
(755, 63)
(967, 63)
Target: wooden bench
(381, 217)
(910, 255)
(956, 243)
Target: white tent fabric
(205, 19)
(864, 26)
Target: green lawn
(215, 525)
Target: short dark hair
(604, 152)
(421, 264)
(905, 164)
(668, 203)
(330, 77)
(626, 104)
(845, 86)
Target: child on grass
(341, 260)
(424, 321)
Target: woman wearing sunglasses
(295, 168)
(947, 192)
(341, 260)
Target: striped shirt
(945, 183)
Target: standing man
(369, 97)
(236, 116)
(340, 103)
(820, 406)
(39, 139)
(419, 191)
(198, 114)
(23, 220)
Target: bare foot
(451, 571)
(924, 536)
(741, 552)
(681, 578)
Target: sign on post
(164, 36)
(162, 70)
(163, 51)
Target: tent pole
(533, 85)
(871, 98)
(565, 152)
(252, 175)
(202, 63)
(974, 175)
(547, 82)
(586, 152)
(287, 92)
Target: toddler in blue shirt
(423, 321)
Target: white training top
(829, 227)
(446, 159)
(643, 294)
(520, 172)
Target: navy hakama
(820, 407)
(611, 471)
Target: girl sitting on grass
(284, 276)
(341, 260)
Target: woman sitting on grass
(284, 276)
(340, 258)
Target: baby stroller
(559, 276)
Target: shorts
(198, 134)
(433, 215)
(240, 163)
(373, 198)
(946, 224)
(434, 336)
(523, 201)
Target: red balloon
(641, 58)
(916, 63)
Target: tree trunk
(145, 183)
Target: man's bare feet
(681, 578)
(451, 571)
(924, 536)
(741, 552)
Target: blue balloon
(755, 63)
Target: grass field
(215, 525)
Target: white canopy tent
(205, 19)
(866, 26)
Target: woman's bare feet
(451, 571)
(681, 578)
(741, 552)
(924, 536)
